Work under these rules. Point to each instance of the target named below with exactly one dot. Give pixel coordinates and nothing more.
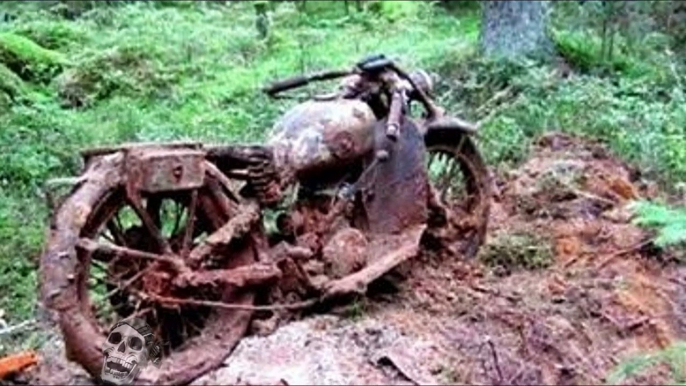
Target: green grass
(27, 58)
(670, 223)
(673, 357)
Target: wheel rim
(110, 290)
(458, 175)
(83, 328)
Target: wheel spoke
(190, 224)
(114, 227)
(121, 252)
(107, 236)
(152, 207)
(129, 282)
(446, 177)
(178, 213)
(154, 231)
(117, 221)
(128, 232)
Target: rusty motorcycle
(206, 242)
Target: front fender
(450, 125)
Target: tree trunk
(514, 28)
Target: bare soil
(605, 296)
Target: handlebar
(370, 65)
(302, 80)
(373, 65)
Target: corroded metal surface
(396, 198)
(160, 170)
(319, 134)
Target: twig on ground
(615, 255)
(495, 360)
(516, 375)
(18, 327)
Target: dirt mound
(603, 298)
(565, 289)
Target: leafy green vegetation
(27, 58)
(10, 84)
(670, 223)
(78, 75)
(674, 357)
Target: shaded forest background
(79, 74)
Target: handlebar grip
(369, 59)
(286, 84)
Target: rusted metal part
(236, 227)
(394, 115)
(254, 164)
(247, 275)
(219, 206)
(285, 250)
(362, 206)
(345, 252)
(54, 201)
(266, 181)
(357, 282)
(452, 123)
(294, 278)
(163, 170)
(115, 251)
(214, 171)
(396, 198)
(235, 156)
(308, 138)
(455, 231)
(104, 150)
(238, 306)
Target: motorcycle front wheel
(460, 177)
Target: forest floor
(602, 296)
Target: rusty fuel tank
(317, 136)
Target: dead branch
(617, 254)
(17, 327)
(495, 360)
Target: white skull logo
(126, 352)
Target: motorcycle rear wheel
(69, 283)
